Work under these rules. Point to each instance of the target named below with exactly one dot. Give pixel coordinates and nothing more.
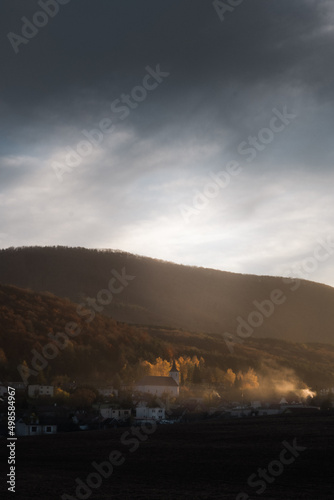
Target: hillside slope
(167, 294)
(103, 347)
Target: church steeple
(174, 373)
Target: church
(159, 385)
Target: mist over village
(166, 249)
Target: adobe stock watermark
(122, 107)
(227, 6)
(266, 308)
(220, 180)
(322, 252)
(277, 123)
(263, 477)
(61, 340)
(255, 318)
(132, 439)
(30, 28)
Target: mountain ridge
(174, 295)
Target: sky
(198, 132)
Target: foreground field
(209, 460)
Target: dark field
(196, 461)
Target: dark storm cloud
(99, 49)
(225, 79)
(92, 52)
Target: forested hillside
(99, 348)
(166, 294)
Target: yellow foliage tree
(162, 367)
(229, 377)
(61, 394)
(248, 380)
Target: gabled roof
(159, 381)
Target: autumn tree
(229, 377)
(248, 380)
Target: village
(155, 399)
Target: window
(33, 428)
(160, 411)
(48, 428)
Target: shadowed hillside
(177, 296)
(102, 347)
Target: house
(117, 414)
(18, 386)
(145, 413)
(36, 429)
(267, 410)
(157, 385)
(240, 411)
(326, 391)
(40, 390)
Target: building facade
(157, 386)
(40, 390)
(145, 413)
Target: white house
(240, 411)
(23, 429)
(40, 390)
(159, 385)
(144, 413)
(118, 414)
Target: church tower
(175, 374)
